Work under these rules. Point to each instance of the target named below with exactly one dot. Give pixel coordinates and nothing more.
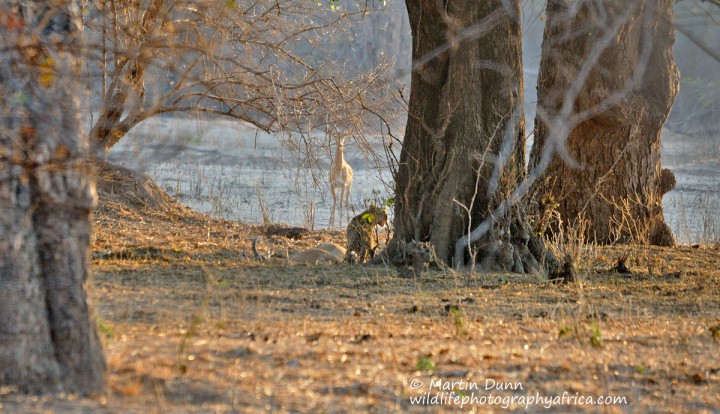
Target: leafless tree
(697, 49)
(268, 64)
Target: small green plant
(565, 330)
(458, 321)
(595, 335)
(640, 369)
(199, 318)
(192, 332)
(425, 364)
(105, 329)
(184, 347)
(379, 200)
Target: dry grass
(191, 323)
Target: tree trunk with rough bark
(48, 341)
(463, 151)
(607, 81)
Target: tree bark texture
(463, 151)
(607, 76)
(127, 89)
(47, 338)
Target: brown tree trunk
(126, 93)
(608, 76)
(47, 338)
(463, 152)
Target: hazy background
(220, 167)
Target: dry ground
(191, 323)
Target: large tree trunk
(464, 142)
(608, 77)
(47, 338)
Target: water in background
(692, 209)
(229, 171)
(224, 169)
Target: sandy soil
(192, 323)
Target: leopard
(361, 243)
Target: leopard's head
(376, 216)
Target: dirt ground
(191, 322)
